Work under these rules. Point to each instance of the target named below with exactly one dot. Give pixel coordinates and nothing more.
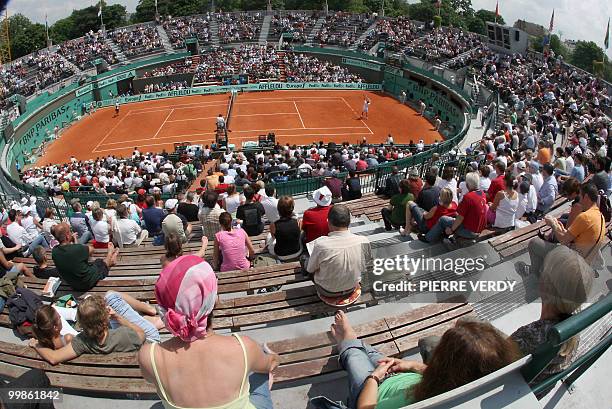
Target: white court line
(109, 132)
(292, 98)
(201, 103)
(192, 119)
(178, 107)
(351, 108)
(300, 115)
(162, 125)
(272, 129)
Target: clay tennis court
(296, 117)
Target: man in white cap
(175, 223)
(314, 222)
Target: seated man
(72, 260)
(391, 187)
(338, 260)
(352, 187)
(209, 214)
(471, 215)
(548, 191)
(153, 217)
(394, 216)
(251, 213)
(18, 234)
(79, 222)
(314, 222)
(175, 223)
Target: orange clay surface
(296, 117)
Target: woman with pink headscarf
(198, 368)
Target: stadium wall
(66, 106)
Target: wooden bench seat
(301, 358)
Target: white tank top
(505, 214)
(232, 203)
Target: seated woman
(181, 367)
(571, 191)
(565, 283)
(174, 249)
(101, 229)
(426, 220)
(231, 246)
(109, 324)
(449, 181)
(502, 212)
(466, 352)
(232, 200)
(284, 240)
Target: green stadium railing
(560, 334)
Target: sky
(574, 19)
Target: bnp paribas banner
(263, 86)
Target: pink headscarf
(186, 292)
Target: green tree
(585, 53)
(487, 15)
(555, 45)
(145, 10)
(25, 36)
(476, 25)
(462, 7)
(83, 20)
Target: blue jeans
(438, 230)
(38, 241)
(86, 237)
(259, 391)
(358, 359)
(417, 216)
(122, 308)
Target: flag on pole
(552, 21)
(607, 39)
(496, 10)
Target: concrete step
(120, 55)
(265, 29)
(315, 30)
(165, 40)
(363, 36)
(214, 32)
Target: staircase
(280, 56)
(446, 64)
(120, 56)
(315, 31)
(265, 29)
(363, 36)
(76, 69)
(165, 40)
(214, 31)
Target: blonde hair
(93, 317)
(111, 204)
(565, 284)
(446, 196)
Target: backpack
(604, 205)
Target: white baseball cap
(171, 204)
(322, 196)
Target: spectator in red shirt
(74, 184)
(498, 184)
(361, 164)
(314, 222)
(334, 184)
(415, 182)
(471, 215)
(222, 186)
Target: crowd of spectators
(180, 67)
(239, 27)
(444, 44)
(299, 24)
(139, 40)
(256, 61)
(181, 28)
(303, 68)
(83, 51)
(165, 86)
(397, 34)
(147, 172)
(32, 73)
(343, 29)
